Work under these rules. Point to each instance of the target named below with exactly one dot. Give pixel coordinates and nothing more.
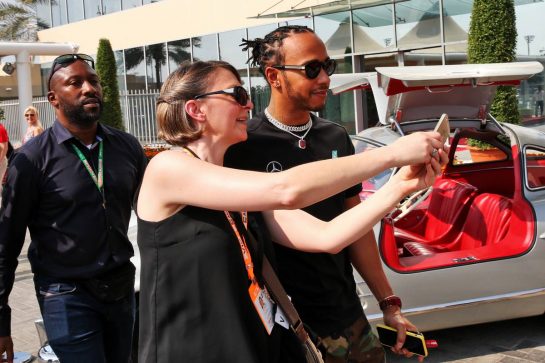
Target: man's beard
(79, 116)
(301, 100)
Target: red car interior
(487, 222)
(449, 200)
(470, 217)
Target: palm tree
(18, 20)
(156, 55)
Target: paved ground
(24, 308)
(513, 341)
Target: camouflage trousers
(356, 344)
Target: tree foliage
(493, 39)
(18, 20)
(107, 71)
(156, 55)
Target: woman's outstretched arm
(300, 230)
(174, 178)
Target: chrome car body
(474, 250)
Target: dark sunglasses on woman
(239, 93)
(67, 59)
(312, 69)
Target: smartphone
(414, 342)
(443, 127)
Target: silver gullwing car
(472, 248)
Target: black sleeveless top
(194, 302)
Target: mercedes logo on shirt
(273, 167)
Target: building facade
(151, 38)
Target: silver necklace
(291, 129)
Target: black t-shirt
(321, 285)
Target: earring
(277, 84)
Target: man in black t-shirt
(295, 63)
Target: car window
(535, 168)
(471, 151)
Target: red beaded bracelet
(391, 300)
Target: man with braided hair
(295, 63)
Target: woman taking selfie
(196, 278)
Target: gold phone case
(443, 127)
(415, 339)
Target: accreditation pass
(263, 304)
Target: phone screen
(413, 342)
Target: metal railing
(12, 117)
(138, 109)
(139, 119)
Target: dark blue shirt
(49, 191)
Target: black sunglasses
(66, 59)
(312, 69)
(239, 93)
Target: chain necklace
(291, 129)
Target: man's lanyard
(98, 180)
(243, 246)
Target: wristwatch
(391, 300)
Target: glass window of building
(135, 67)
(231, 51)
(307, 21)
(127, 4)
(456, 24)
(368, 63)
(340, 108)
(373, 29)
(43, 12)
(93, 8)
(111, 6)
(75, 11)
(178, 52)
(156, 65)
(456, 53)
(58, 11)
(424, 57)
(205, 47)
(417, 23)
(120, 70)
(334, 30)
(530, 46)
(45, 69)
(530, 36)
(456, 21)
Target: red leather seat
(487, 223)
(448, 199)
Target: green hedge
(107, 71)
(493, 39)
